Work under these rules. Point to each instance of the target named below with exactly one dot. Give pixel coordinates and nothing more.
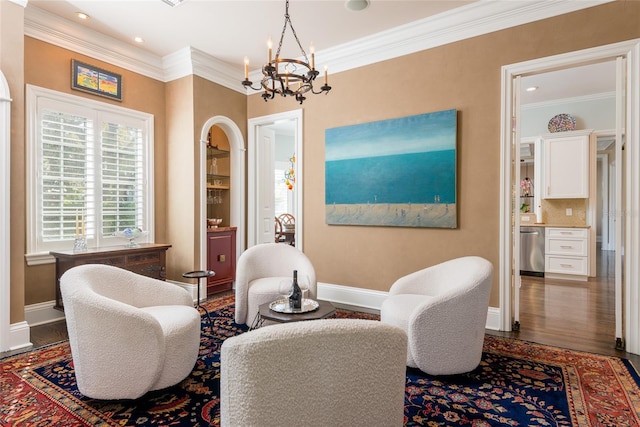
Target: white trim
(572, 100)
(42, 313)
(631, 50)
(475, 19)
(19, 336)
(350, 298)
(5, 209)
(236, 183)
(253, 124)
(38, 252)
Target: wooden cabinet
(148, 259)
(567, 253)
(566, 167)
(221, 258)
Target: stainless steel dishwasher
(532, 251)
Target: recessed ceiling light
(138, 39)
(82, 15)
(532, 89)
(356, 5)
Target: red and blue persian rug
(517, 384)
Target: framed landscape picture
(88, 78)
(398, 172)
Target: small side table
(325, 309)
(200, 274)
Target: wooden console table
(148, 259)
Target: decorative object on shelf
(213, 168)
(80, 244)
(214, 222)
(287, 77)
(561, 123)
(527, 187)
(80, 241)
(131, 234)
(524, 208)
(290, 173)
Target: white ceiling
(232, 29)
(229, 30)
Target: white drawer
(573, 233)
(566, 265)
(577, 247)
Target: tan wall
(12, 66)
(49, 66)
(464, 75)
(182, 184)
(214, 100)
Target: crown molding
(61, 32)
(475, 19)
(22, 3)
(573, 100)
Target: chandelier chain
(287, 19)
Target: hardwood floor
(562, 313)
(571, 314)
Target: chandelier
(287, 77)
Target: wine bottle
(295, 297)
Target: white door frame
(252, 213)
(631, 51)
(5, 208)
(236, 184)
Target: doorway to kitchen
(626, 123)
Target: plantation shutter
(66, 173)
(90, 172)
(122, 177)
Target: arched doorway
(237, 182)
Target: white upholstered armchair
(262, 269)
(332, 372)
(129, 334)
(443, 309)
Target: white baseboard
(189, 287)
(19, 336)
(41, 313)
(347, 297)
(370, 301)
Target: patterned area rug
(516, 384)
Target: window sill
(39, 259)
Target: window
(90, 172)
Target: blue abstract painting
(398, 172)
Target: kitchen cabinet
(148, 259)
(566, 166)
(567, 253)
(221, 258)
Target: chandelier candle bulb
(269, 46)
(325, 75)
(313, 58)
(246, 68)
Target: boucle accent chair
(261, 271)
(332, 372)
(443, 309)
(129, 334)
